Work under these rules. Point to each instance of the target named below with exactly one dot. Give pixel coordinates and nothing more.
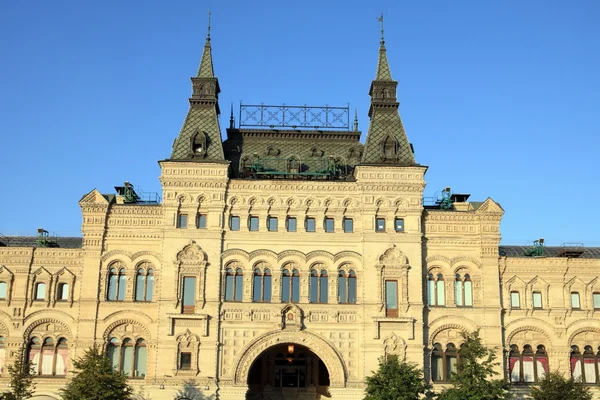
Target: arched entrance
(288, 370)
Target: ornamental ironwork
(304, 117)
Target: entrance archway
(286, 370)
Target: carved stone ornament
(393, 345)
(292, 318)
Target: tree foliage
(395, 380)
(21, 373)
(476, 368)
(95, 379)
(555, 386)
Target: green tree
(21, 373)
(476, 369)
(95, 379)
(555, 386)
(395, 380)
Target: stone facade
(182, 305)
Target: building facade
(283, 262)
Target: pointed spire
(206, 65)
(355, 120)
(231, 119)
(383, 69)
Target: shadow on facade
(191, 391)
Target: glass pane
(295, 289)
(122, 287)
(514, 299)
(47, 361)
(436, 368)
(185, 361)
(268, 289)
(189, 291)
(342, 295)
(229, 287)
(149, 287)
(257, 294)
(314, 289)
(239, 286)
(380, 225)
(234, 223)
(468, 293)
(112, 287)
(537, 300)
(40, 292)
(285, 289)
(3, 290)
(596, 300)
(62, 357)
(528, 369)
(291, 224)
(431, 292)
(589, 370)
(140, 284)
(451, 366)
(182, 221)
(576, 368)
(348, 225)
(310, 224)
(458, 293)
(441, 293)
(399, 225)
(201, 223)
(542, 366)
(141, 355)
(63, 291)
(273, 223)
(127, 362)
(391, 295)
(323, 290)
(253, 223)
(514, 365)
(329, 225)
(575, 300)
(113, 355)
(352, 289)
(2, 359)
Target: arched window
(2, 354)
(48, 357)
(463, 291)
(117, 283)
(128, 357)
(318, 286)
(389, 147)
(436, 294)
(144, 284)
(584, 367)
(40, 291)
(3, 290)
(234, 284)
(262, 285)
(290, 286)
(347, 287)
(62, 292)
(437, 363)
(451, 360)
(527, 366)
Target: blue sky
(499, 98)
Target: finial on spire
(208, 34)
(380, 19)
(355, 120)
(231, 119)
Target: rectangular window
(291, 224)
(515, 301)
(40, 291)
(380, 225)
(348, 225)
(310, 224)
(234, 223)
(596, 298)
(185, 361)
(201, 221)
(253, 223)
(575, 300)
(3, 287)
(181, 221)
(537, 300)
(391, 298)
(329, 225)
(189, 294)
(272, 224)
(399, 225)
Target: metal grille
(311, 117)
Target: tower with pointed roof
(200, 136)
(386, 141)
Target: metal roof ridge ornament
(303, 117)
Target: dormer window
(199, 145)
(389, 148)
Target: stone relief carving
(394, 345)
